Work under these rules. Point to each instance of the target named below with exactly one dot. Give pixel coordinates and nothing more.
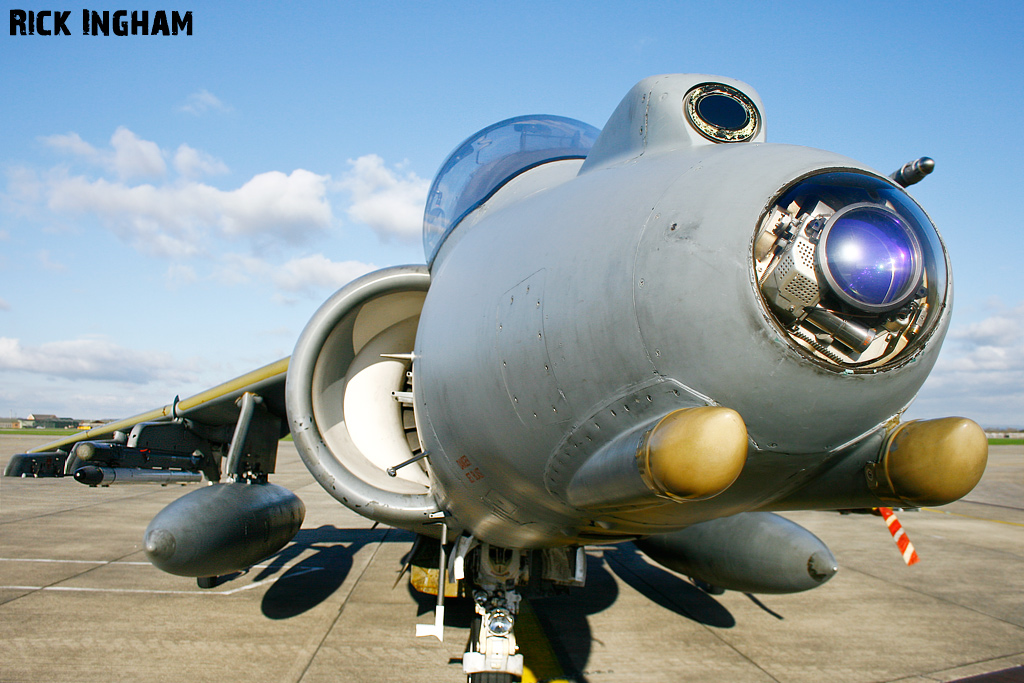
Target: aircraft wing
(211, 415)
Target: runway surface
(79, 602)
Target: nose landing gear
(494, 576)
(493, 654)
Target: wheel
(491, 677)
(485, 676)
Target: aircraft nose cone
(821, 566)
(160, 545)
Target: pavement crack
(93, 566)
(311, 648)
(77, 508)
(621, 566)
(934, 597)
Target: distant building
(41, 421)
(10, 423)
(1004, 434)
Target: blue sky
(173, 209)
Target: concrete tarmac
(79, 602)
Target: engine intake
(350, 363)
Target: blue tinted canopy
(482, 164)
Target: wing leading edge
(212, 415)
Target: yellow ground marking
(540, 661)
(980, 519)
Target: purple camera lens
(871, 258)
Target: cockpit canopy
(487, 160)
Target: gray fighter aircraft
(661, 331)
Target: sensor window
(870, 258)
(721, 113)
(851, 270)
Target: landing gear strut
(496, 576)
(493, 654)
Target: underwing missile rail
(91, 475)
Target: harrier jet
(663, 331)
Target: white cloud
(317, 272)
(135, 157)
(285, 206)
(93, 358)
(242, 235)
(24, 191)
(177, 217)
(154, 220)
(202, 101)
(993, 346)
(389, 202)
(980, 372)
(1005, 328)
(314, 275)
(4, 306)
(129, 155)
(47, 262)
(192, 164)
(72, 143)
(176, 220)
(179, 275)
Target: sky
(173, 209)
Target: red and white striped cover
(900, 536)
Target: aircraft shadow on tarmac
(315, 578)
(667, 589)
(564, 617)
